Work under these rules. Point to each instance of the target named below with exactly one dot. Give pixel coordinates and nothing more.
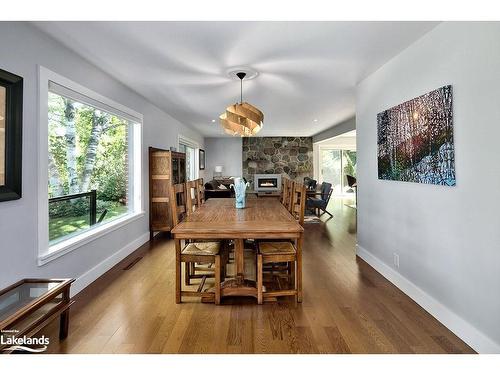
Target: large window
(93, 170)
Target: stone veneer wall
(289, 156)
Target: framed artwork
(11, 117)
(415, 140)
(202, 159)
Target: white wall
(227, 152)
(448, 238)
(26, 48)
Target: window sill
(57, 250)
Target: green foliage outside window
(88, 150)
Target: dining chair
(289, 194)
(193, 252)
(193, 203)
(192, 196)
(271, 252)
(284, 187)
(321, 203)
(201, 191)
(298, 202)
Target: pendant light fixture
(242, 118)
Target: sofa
(214, 189)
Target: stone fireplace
(287, 156)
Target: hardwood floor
(348, 307)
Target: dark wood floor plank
(337, 341)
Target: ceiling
(308, 71)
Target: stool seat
(276, 248)
(202, 248)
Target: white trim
(95, 272)
(82, 90)
(86, 237)
(344, 146)
(135, 149)
(468, 333)
(43, 155)
(186, 141)
(316, 164)
(44, 252)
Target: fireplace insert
(267, 182)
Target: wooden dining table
(218, 219)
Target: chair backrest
(201, 191)
(282, 196)
(289, 194)
(192, 201)
(298, 202)
(284, 190)
(312, 184)
(351, 180)
(326, 191)
(178, 202)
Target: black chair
(351, 181)
(353, 184)
(310, 183)
(321, 203)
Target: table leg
(178, 272)
(239, 259)
(299, 268)
(64, 319)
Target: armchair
(321, 203)
(310, 183)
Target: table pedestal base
(238, 287)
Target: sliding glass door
(190, 160)
(335, 165)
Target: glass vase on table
(240, 187)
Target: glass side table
(29, 305)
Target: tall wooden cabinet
(165, 169)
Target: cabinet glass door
(182, 170)
(175, 170)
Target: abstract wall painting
(415, 140)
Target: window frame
(45, 251)
(196, 146)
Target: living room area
(263, 161)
